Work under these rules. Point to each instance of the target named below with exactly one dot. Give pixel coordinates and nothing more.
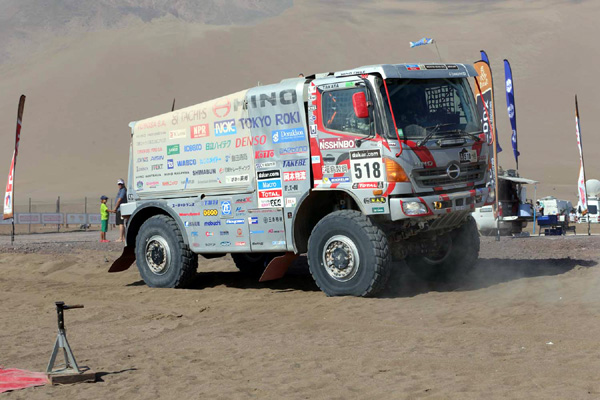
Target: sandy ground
(522, 325)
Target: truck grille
(436, 177)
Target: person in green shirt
(104, 218)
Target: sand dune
(83, 89)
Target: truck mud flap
(125, 261)
(277, 267)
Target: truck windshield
(421, 105)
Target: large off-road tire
(348, 255)
(253, 264)
(457, 260)
(162, 257)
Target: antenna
(173, 107)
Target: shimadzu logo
(174, 149)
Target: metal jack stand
(71, 373)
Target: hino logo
(453, 171)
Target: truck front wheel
(349, 255)
(455, 258)
(162, 257)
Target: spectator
(121, 199)
(539, 209)
(104, 219)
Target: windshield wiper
(434, 130)
(463, 132)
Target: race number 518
(367, 171)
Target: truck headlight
(414, 208)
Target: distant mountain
(26, 22)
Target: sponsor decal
(169, 183)
(170, 163)
(156, 167)
(152, 184)
(199, 131)
(285, 97)
(195, 223)
(225, 144)
(413, 67)
(140, 185)
(435, 66)
(251, 141)
(270, 203)
(157, 158)
(211, 202)
(315, 159)
(142, 159)
(258, 243)
(374, 200)
(313, 130)
(244, 200)
(268, 194)
(335, 144)
(221, 108)
(294, 163)
(237, 178)
(210, 244)
(253, 220)
(195, 244)
(366, 165)
(239, 232)
(172, 149)
(255, 122)
(294, 176)
(177, 134)
(236, 157)
(378, 210)
(293, 150)
(192, 147)
(194, 233)
(288, 118)
(212, 223)
(226, 208)
(188, 116)
(362, 154)
(264, 154)
(240, 243)
(334, 169)
(275, 173)
(268, 164)
(291, 188)
(277, 242)
(225, 244)
(239, 211)
(341, 179)
(152, 150)
(269, 184)
(224, 233)
(234, 221)
(186, 163)
(467, 156)
(225, 127)
(210, 234)
(256, 232)
(288, 135)
(268, 220)
(204, 171)
(210, 213)
(276, 231)
(191, 214)
(368, 185)
(150, 124)
(290, 202)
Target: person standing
(121, 199)
(104, 219)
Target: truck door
(347, 151)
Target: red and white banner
(9, 195)
(581, 181)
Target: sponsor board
(225, 127)
(177, 134)
(199, 131)
(288, 135)
(334, 169)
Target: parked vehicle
(515, 210)
(353, 168)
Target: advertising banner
(511, 108)
(28, 218)
(581, 189)
(9, 195)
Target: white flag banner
(581, 181)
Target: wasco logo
(226, 127)
(210, 213)
(199, 131)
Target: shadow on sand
(403, 283)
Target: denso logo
(199, 131)
(334, 144)
(254, 141)
(226, 127)
(192, 147)
(264, 154)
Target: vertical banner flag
(9, 198)
(581, 181)
(487, 91)
(510, 107)
(484, 56)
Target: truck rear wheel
(455, 259)
(162, 257)
(348, 255)
(252, 263)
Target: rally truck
(356, 169)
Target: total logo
(226, 208)
(225, 127)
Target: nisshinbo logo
(226, 127)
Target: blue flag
(510, 107)
(421, 42)
(484, 56)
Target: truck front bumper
(439, 204)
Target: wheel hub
(158, 255)
(340, 258)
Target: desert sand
(523, 324)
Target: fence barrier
(58, 219)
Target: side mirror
(359, 101)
